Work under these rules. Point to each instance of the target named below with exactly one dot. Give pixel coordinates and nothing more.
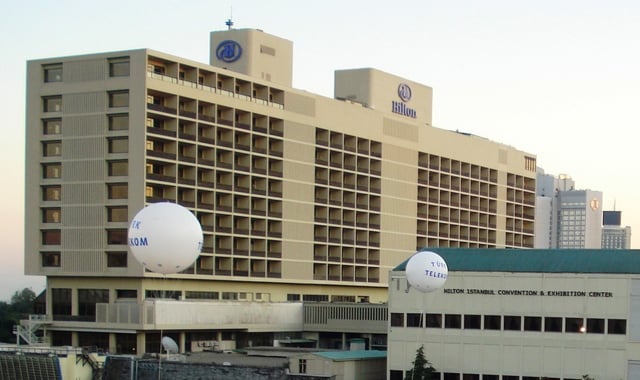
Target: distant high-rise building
(566, 217)
(614, 236)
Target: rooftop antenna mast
(229, 22)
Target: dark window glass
(490, 377)
(51, 171)
(52, 73)
(595, 325)
(553, 324)
(397, 320)
(532, 323)
(94, 339)
(116, 259)
(51, 237)
(119, 122)
(201, 295)
(508, 377)
(51, 148)
(617, 326)
(434, 320)
(119, 99)
(52, 103)
(163, 294)
(51, 193)
(293, 297)
(574, 325)
(414, 320)
(470, 376)
(117, 214)
(395, 374)
(51, 126)
(60, 301)
(452, 321)
(451, 376)
(472, 321)
(118, 168)
(119, 67)
(118, 145)
(51, 215)
(117, 236)
(118, 190)
(492, 322)
(512, 322)
(315, 297)
(126, 293)
(87, 300)
(51, 259)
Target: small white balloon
(426, 271)
(165, 237)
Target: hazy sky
(558, 79)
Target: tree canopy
(20, 306)
(422, 369)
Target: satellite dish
(426, 271)
(165, 237)
(169, 345)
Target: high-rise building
(301, 197)
(614, 235)
(566, 217)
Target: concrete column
(74, 339)
(182, 343)
(112, 342)
(141, 343)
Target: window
(51, 259)
(87, 300)
(52, 103)
(51, 215)
(395, 374)
(452, 321)
(302, 365)
(397, 320)
(201, 295)
(512, 322)
(293, 297)
(229, 295)
(51, 126)
(119, 67)
(617, 326)
(117, 214)
(119, 145)
(117, 236)
(116, 259)
(60, 302)
(51, 193)
(434, 320)
(595, 325)
(51, 148)
(51, 171)
(126, 293)
(119, 122)
(574, 325)
(552, 324)
(414, 320)
(50, 237)
(117, 190)
(315, 297)
(118, 168)
(119, 99)
(52, 73)
(492, 322)
(532, 323)
(472, 321)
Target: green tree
(11, 313)
(422, 369)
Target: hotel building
(301, 197)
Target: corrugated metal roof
(621, 261)
(352, 355)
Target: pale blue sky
(558, 79)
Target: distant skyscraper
(614, 236)
(565, 217)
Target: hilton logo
(228, 51)
(404, 93)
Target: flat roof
(606, 261)
(352, 355)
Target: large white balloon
(165, 237)
(426, 271)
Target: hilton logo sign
(404, 93)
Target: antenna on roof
(229, 22)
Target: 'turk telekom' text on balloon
(436, 273)
(137, 241)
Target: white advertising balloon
(426, 271)
(165, 237)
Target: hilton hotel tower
(301, 197)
